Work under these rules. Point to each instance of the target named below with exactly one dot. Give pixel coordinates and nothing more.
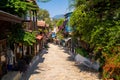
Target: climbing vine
(17, 7)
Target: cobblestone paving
(56, 64)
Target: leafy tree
(43, 14)
(60, 22)
(60, 35)
(98, 22)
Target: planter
(83, 60)
(72, 54)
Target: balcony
(28, 25)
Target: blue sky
(55, 7)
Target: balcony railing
(28, 25)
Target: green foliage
(98, 23)
(54, 21)
(84, 17)
(42, 14)
(17, 7)
(18, 35)
(82, 52)
(29, 38)
(40, 30)
(60, 35)
(106, 34)
(60, 22)
(94, 27)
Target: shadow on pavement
(91, 71)
(81, 67)
(33, 68)
(70, 58)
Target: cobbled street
(56, 64)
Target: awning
(4, 16)
(39, 37)
(41, 23)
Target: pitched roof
(41, 23)
(39, 37)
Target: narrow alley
(59, 39)
(56, 64)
